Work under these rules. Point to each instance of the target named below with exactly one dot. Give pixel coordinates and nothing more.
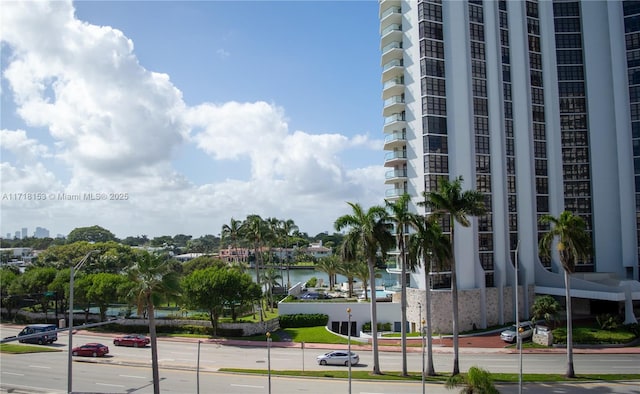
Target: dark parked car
(48, 334)
(90, 350)
(135, 340)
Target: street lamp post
(72, 274)
(422, 332)
(269, 358)
(518, 336)
(349, 345)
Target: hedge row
(303, 320)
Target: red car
(90, 350)
(134, 340)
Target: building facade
(536, 104)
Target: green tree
(90, 234)
(212, 289)
(368, 233)
(200, 263)
(429, 243)
(574, 244)
(8, 300)
(350, 270)
(103, 290)
(545, 307)
(289, 228)
(449, 200)
(401, 217)
(476, 381)
(256, 231)
(35, 282)
(154, 282)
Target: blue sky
(190, 112)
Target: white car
(338, 357)
(509, 335)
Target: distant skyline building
(41, 232)
(538, 113)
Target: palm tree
(233, 231)
(368, 233)
(477, 380)
(431, 244)
(154, 281)
(351, 270)
(450, 200)
(574, 244)
(288, 227)
(254, 229)
(400, 216)
(270, 280)
(330, 265)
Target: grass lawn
(314, 335)
(14, 348)
(413, 376)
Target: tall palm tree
(233, 231)
(400, 216)
(270, 278)
(154, 281)
(574, 243)
(450, 200)
(255, 230)
(429, 243)
(288, 227)
(369, 234)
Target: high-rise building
(536, 104)
(25, 233)
(41, 232)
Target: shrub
(608, 321)
(633, 328)
(366, 327)
(303, 320)
(312, 282)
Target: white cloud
(222, 53)
(24, 148)
(115, 126)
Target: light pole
(422, 331)
(72, 274)
(518, 336)
(349, 345)
(269, 358)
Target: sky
(172, 117)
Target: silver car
(509, 335)
(338, 357)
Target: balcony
(393, 87)
(392, 159)
(393, 69)
(395, 192)
(392, 11)
(396, 140)
(391, 51)
(392, 105)
(392, 32)
(395, 176)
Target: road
(128, 369)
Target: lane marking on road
(13, 373)
(39, 366)
(133, 376)
(246, 385)
(109, 385)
